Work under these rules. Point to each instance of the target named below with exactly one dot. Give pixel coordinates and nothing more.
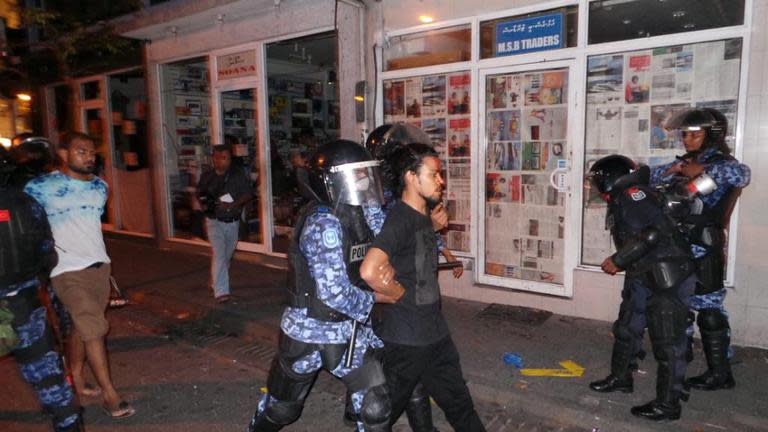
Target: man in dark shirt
(222, 192)
(417, 343)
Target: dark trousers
(437, 367)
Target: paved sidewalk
(169, 290)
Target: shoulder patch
(331, 238)
(636, 194)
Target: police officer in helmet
(31, 156)
(328, 300)
(26, 253)
(703, 133)
(657, 286)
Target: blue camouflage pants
(40, 365)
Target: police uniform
(706, 231)
(26, 250)
(326, 297)
(658, 284)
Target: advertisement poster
(653, 85)
(440, 106)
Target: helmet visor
(355, 183)
(690, 120)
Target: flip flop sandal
(124, 410)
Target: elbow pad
(633, 251)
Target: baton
(351, 347)
(449, 265)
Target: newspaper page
(440, 106)
(433, 93)
(526, 118)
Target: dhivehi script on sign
(529, 34)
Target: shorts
(85, 295)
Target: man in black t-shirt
(222, 192)
(417, 343)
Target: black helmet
(343, 172)
(33, 154)
(385, 138)
(708, 119)
(616, 172)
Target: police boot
(419, 411)
(718, 375)
(612, 383)
(657, 410)
(620, 379)
(260, 423)
(666, 406)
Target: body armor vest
(669, 261)
(20, 238)
(356, 238)
(708, 230)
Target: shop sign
(236, 65)
(526, 35)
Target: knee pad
(376, 406)
(283, 412)
(712, 320)
(621, 332)
(667, 320)
(286, 385)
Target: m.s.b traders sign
(526, 35)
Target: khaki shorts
(85, 295)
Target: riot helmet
(710, 120)
(616, 172)
(32, 154)
(385, 138)
(344, 172)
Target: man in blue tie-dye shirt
(74, 199)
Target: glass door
(237, 110)
(525, 155)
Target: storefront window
(90, 90)
(303, 113)
(629, 97)
(434, 47)
(440, 106)
(128, 119)
(186, 130)
(540, 31)
(526, 117)
(615, 20)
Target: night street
(188, 363)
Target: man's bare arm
(378, 273)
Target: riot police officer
(658, 283)
(32, 156)
(708, 156)
(26, 252)
(327, 296)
